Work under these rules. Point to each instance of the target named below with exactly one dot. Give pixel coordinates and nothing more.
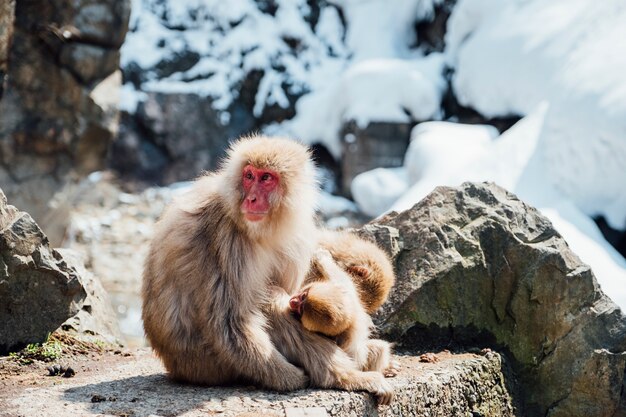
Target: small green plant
(47, 351)
(100, 344)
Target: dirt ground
(118, 382)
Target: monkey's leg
(327, 365)
(254, 356)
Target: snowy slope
(511, 55)
(230, 39)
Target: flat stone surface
(134, 384)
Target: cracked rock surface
(38, 289)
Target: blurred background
(109, 107)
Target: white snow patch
(391, 90)
(512, 55)
(376, 190)
(333, 205)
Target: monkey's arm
(246, 347)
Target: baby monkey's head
(324, 307)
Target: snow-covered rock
(376, 190)
(229, 40)
(373, 90)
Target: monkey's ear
(359, 270)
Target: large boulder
(455, 385)
(58, 110)
(42, 289)
(478, 267)
(38, 290)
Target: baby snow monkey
(330, 304)
(368, 265)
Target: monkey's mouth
(255, 216)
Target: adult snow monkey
(215, 260)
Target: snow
(372, 74)
(559, 63)
(511, 55)
(376, 29)
(376, 190)
(232, 38)
(384, 78)
(392, 90)
(332, 205)
(449, 154)
(464, 144)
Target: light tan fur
(368, 265)
(207, 305)
(333, 307)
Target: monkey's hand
(278, 300)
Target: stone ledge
(458, 384)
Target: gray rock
(89, 63)
(38, 290)
(478, 267)
(52, 126)
(380, 144)
(7, 15)
(431, 32)
(177, 62)
(155, 145)
(96, 319)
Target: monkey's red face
(258, 185)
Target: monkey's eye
(248, 175)
(266, 177)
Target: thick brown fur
(368, 265)
(333, 307)
(208, 277)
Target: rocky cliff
(58, 105)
